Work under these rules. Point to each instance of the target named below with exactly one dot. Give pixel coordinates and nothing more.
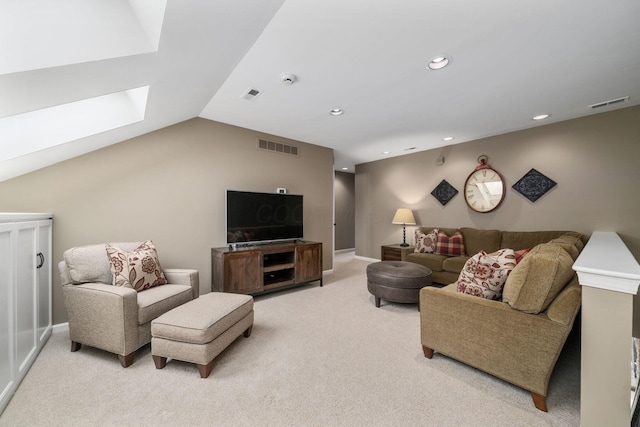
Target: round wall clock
(484, 188)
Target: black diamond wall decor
(444, 192)
(533, 185)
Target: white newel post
(609, 275)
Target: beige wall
(169, 186)
(595, 161)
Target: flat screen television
(263, 217)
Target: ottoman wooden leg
(160, 362)
(377, 301)
(205, 370)
(247, 333)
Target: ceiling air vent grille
(278, 147)
(608, 103)
(251, 94)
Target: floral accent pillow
(484, 275)
(426, 243)
(450, 246)
(138, 269)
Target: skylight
(36, 130)
(39, 34)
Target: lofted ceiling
(509, 62)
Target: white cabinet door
(26, 293)
(7, 361)
(44, 273)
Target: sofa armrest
(184, 276)
(564, 308)
(65, 278)
(103, 316)
(518, 347)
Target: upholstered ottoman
(201, 329)
(397, 281)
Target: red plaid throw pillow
(450, 246)
(520, 254)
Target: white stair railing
(610, 276)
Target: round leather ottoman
(397, 281)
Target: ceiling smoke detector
(288, 78)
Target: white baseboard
(339, 251)
(366, 258)
(60, 327)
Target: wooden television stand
(262, 268)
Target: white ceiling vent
(608, 103)
(251, 94)
(278, 147)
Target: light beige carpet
(318, 356)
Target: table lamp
(405, 217)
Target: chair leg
(428, 353)
(75, 346)
(126, 360)
(539, 401)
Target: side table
(394, 252)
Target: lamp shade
(404, 216)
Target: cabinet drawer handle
(40, 260)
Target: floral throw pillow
(138, 269)
(450, 246)
(426, 243)
(484, 275)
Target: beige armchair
(111, 318)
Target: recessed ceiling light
(336, 112)
(439, 62)
(541, 116)
(448, 138)
(385, 152)
(345, 169)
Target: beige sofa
(447, 269)
(112, 318)
(519, 337)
